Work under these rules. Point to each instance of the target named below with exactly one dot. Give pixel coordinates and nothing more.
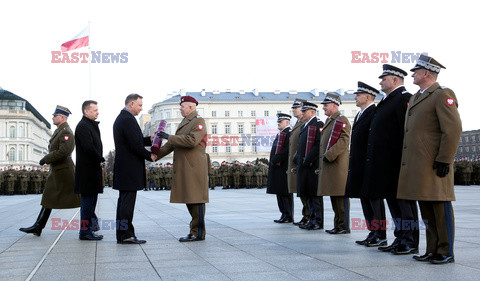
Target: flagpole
(89, 64)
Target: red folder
(337, 129)
(157, 141)
(312, 131)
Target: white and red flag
(79, 41)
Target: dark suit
(88, 173)
(277, 176)
(382, 166)
(129, 169)
(373, 209)
(307, 180)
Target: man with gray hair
(129, 166)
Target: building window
(161, 115)
(473, 138)
(279, 111)
(254, 146)
(178, 114)
(214, 129)
(474, 149)
(467, 149)
(461, 149)
(168, 129)
(253, 113)
(228, 148)
(20, 131)
(11, 154)
(240, 113)
(240, 128)
(241, 147)
(227, 113)
(214, 114)
(254, 129)
(168, 115)
(214, 148)
(227, 128)
(20, 154)
(266, 113)
(12, 132)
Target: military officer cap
(61, 110)
(189, 99)
(428, 63)
(393, 70)
(298, 103)
(366, 89)
(332, 97)
(308, 105)
(283, 116)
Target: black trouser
(197, 224)
(87, 213)
(125, 208)
(374, 212)
(405, 219)
(305, 210)
(285, 205)
(315, 205)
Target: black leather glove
(163, 135)
(307, 164)
(442, 168)
(325, 159)
(42, 161)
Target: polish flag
(79, 41)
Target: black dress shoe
(424, 257)
(190, 238)
(376, 242)
(34, 229)
(404, 250)
(388, 248)
(91, 237)
(441, 259)
(283, 220)
(133, 240)
(311, 226)
(362, 242)
(338, 231)
(303, 221)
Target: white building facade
(24, 133)
(231, 118)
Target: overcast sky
(218, 45)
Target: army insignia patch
(200, 126)
(65, 138)
(450, 101)
(344, 125)
(320, 129)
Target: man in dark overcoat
(88, 172)
(384, 153)
(307, 162)
(364, 97)
(129, 166)
(277, 170)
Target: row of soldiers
(32, 180)
(467, 172)
(159, 177)
(239, 175)
(228, 175)
(22, 181)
